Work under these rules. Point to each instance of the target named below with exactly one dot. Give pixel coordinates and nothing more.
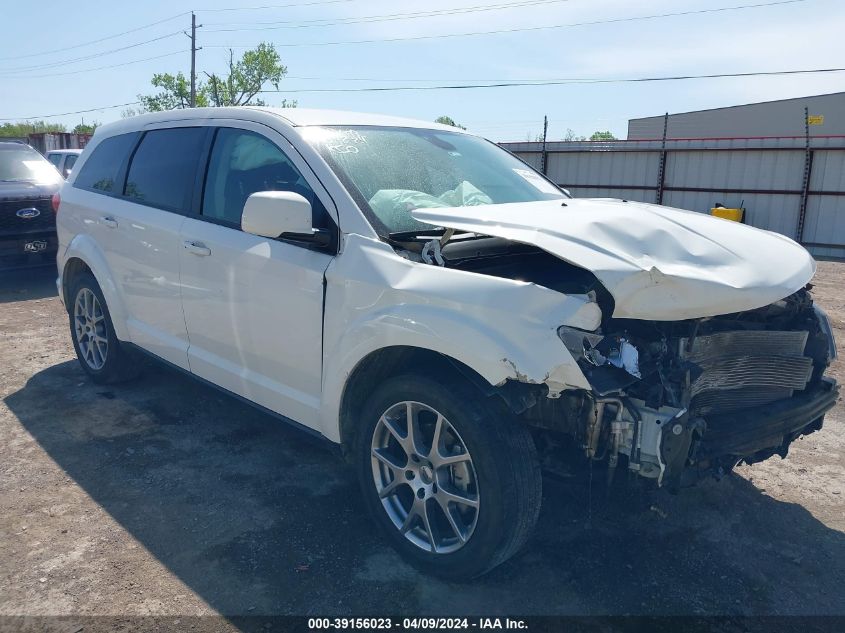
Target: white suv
(442, 311)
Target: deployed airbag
(393, 206)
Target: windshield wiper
(422, 234)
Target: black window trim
(202, 181)
(124, 172)
(120, 175)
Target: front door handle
(108, 221)
(197, 248)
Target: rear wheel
(99, 352)
(449, 475)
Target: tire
(491, 463)
(99, 352)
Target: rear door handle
(108, 221)
(197, 248)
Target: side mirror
(272, 213)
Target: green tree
(175, 93)
(602, 136)
(247, 77)
(86, 128)
(22, 129)
(447, 120)
(572, 136)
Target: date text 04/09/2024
(410, 624)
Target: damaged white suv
(442, 311)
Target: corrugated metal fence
(785, 185)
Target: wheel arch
(398, 359)
(84, 256)
(74, 267)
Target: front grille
(11, 224)
(743, 369)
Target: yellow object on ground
(728, 214)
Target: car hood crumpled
(658, 263)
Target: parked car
(436, 307)
(64, 160)
(27, 223)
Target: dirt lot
(164, 497)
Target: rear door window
(101, 170)
(70, 161)
(162, 171)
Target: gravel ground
(164, 497)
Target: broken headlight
(578, 341)
(600, 350)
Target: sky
(801, 34)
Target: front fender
(500, 328)
(84, 248)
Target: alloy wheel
(424, 477)
(89, 325)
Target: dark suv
(27, 223)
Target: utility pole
(193, 60)
(805, 186)
(545, 132)
(661, 169)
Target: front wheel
(448, 474)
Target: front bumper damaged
(678, 449)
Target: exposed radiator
(742, 369)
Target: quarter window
(102, 168)
(55, 159)
(243, 163)
(162, 170)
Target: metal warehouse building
(788, 175)
(770, 118)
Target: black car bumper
(28, 249)
(767, 427)
(27, 228)
(715, 444)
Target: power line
(50, 116)
(89, 70)
(496, 85)
(561, 82)
(162, 21)
(273, 6)
(93, 56)
(530, 28)
(291, 24)
(102, 39)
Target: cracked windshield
(392, 171)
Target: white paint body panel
(285, 326)
(254, 311)
(377, 299)
(136, 263)
(659, 263)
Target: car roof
(296, 117)
(305, 116)
(14, 145)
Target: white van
(442, 311)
